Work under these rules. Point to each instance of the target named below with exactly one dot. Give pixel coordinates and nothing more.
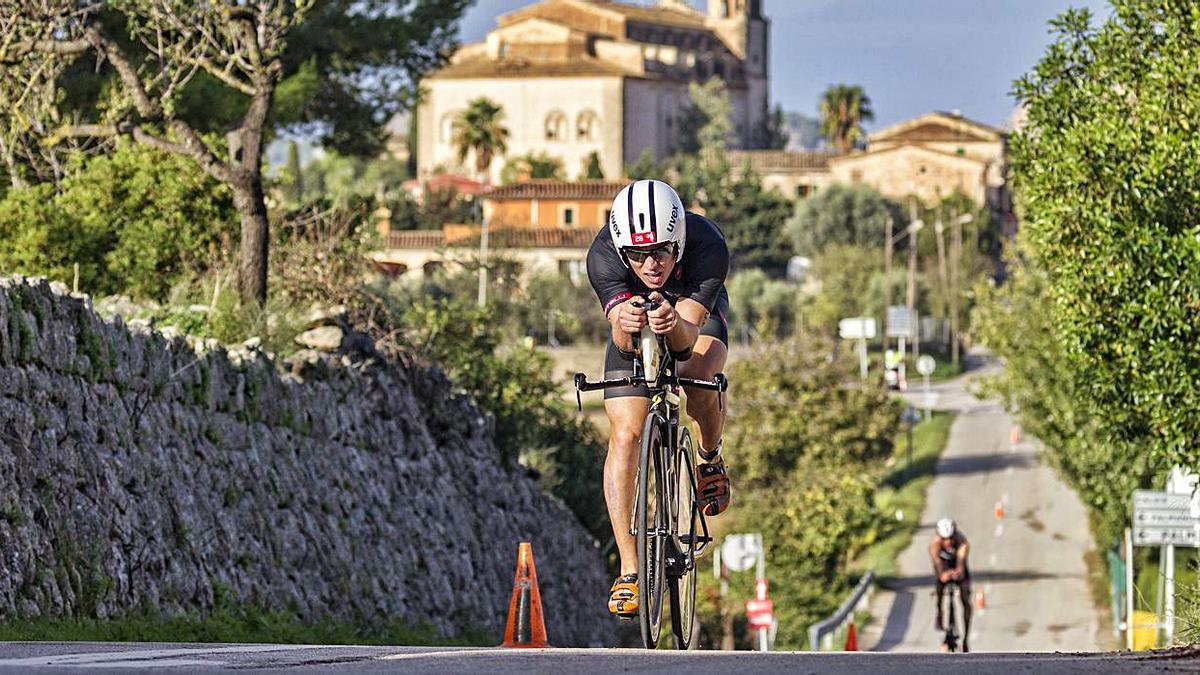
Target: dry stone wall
(138, 471)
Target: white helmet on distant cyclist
(946, 527)
(646, 214)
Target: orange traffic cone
(1014, 436)
(525, 625)
(851, 640)
(1000, 510)
(980, 600)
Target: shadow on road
(967, 464)
(896, 625)
(926, 580)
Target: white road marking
(1008, 470)
(991, 560)
(999, 529)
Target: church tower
(741, 25)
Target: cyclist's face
(947, 543)
(653, 266)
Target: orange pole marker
(525, 627)
(1014, 436)
(1000, 510)
(980, 600)
(851, 640)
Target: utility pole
(941, 249)
(887, 278)
(956, 253)
(911, 299)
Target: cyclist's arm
(690, 316)
(934, 559)
(960, 566)
(622, 318)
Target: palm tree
(844, 108)
(478, 129)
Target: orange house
(551, 204)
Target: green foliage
(843, 109)
(343, 180)
(292, 178)
(762, 307)
(705, 124)
(478, 129)
(591, 167)
(1110, 186)
(847, 274)
(437, 207)
(771, 132)
(844, 214)
(230, 624)
(806, 481)
(532, 165)
(753, 221)
(532, 421)
(646, 167)
(137, 221)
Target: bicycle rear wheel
(685, 528)
(650, 520)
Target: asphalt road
(1029, 563)
(76, 657)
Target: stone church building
(581, 76)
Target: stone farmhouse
(581, 76)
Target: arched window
(446, 128)
(556, 126)
(587, 126)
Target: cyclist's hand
(631, 316)
(661, 320)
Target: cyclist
(948, 551)
(653, 250)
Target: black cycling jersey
(949, 558)
(700, 275)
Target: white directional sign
(858, 328)
(740, 551)
(1164, 518)
(901, 322)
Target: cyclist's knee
(625, 437)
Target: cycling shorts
(618, 365)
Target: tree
(293, 178)
(1106, 176)
(753, 221)
(137, 221)
(646, 167)
(478, 130)
(844, 214)
(592, 169)
(771, 132)
(843, 109)
(196, 79)
(535, 165)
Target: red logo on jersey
(644, 238)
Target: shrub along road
(1029, 563)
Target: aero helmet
(647, 213)
(946, 528)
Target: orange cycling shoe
(623, 597)
(712, 486)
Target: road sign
(926, 364)
(1164, 518)
(1157, 536)
(900, 322)
(740, 551)
(760, 614)
(858, 328)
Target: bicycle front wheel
(650, 520)
(686, 530)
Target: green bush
(805, 451)
(844, 214)
(136, 221)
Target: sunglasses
(661, 254)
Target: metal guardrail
(825, 628)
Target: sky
(910, 56)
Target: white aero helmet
(946, 528)
(647, 213)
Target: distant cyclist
(948, 551)
(654, 250)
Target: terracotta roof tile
(557, 189)
(776, 160)
(508, 237)
(486, 67)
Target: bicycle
(950, 639)
(670, 528)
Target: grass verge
(241, 625)
(901, 495)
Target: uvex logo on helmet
(647, 212)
